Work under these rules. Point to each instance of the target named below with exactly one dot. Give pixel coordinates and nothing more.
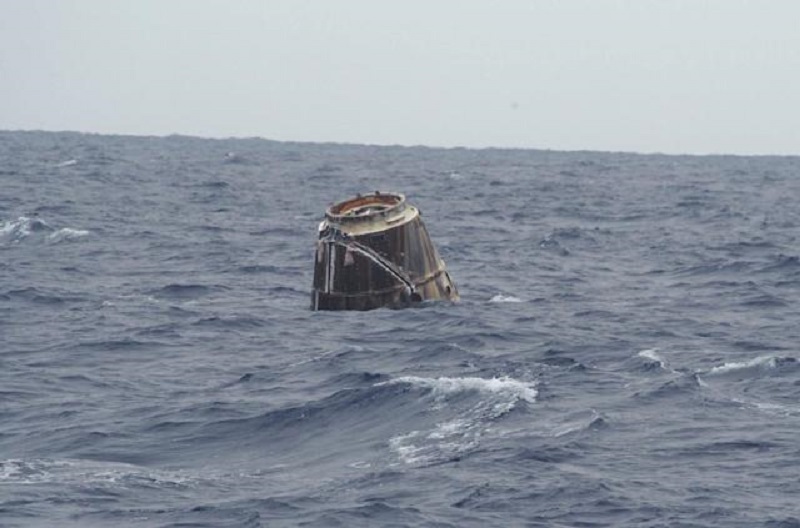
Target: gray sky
(679, 76)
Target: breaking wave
(67, 233)
(84, 472)
(461, 421)
(504, 387)
(500, 298)
(25, 227)
(21, 228)
(761, 363)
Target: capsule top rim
(366, 207)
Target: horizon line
(400, 145)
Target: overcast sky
(676, 76)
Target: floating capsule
(374, 251)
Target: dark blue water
(625, 352)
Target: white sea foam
(10, 469)
(68, 163)
(446, 440)
(28, 471)
(13, 231)
(33, 471)
(651, 354)
(7, 230)
(67, 233)
(500, 298)
(463, 421)
(406, 449)
(506, 386)
(776, 408)
(16, 230)
(768, 362)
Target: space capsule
(374, 251)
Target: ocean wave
(37, 295)
(66, 234)
(464, 424)
(653, 359)
(680, 386)
(89, 472)
(777, 409)
(766, 383)
(442, 387)
(580, 422)
(371, 395)
(551, 244)
(719, 267)
(761, 363)
(764, 300)
(558, 361)
(259, 268)
(24, 227)
(500, 298)
(181, 291)
(783, 262)
(231, 321)
(213, 184)
(21, 228)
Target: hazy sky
(650, 76)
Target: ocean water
(625, 352)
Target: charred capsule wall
(382, 257)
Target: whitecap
(407, 451)
(500, 298)
(10, 230)
(444, 386)
(763, 362)
(446, 441)
(10, 469)
(463, 421)
(67, 233)
(22, 227)
(651, 354)
(68, 163)
(13, 231)
(77, 471)
(776, 408)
